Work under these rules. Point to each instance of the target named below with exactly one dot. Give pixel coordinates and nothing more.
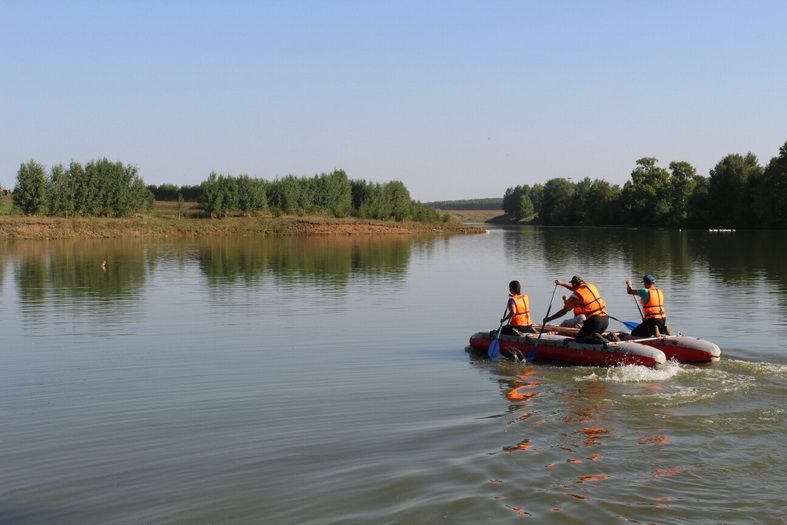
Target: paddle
(631, 325)
(531, 355)
(641, 315)
(494, 347)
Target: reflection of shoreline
(24, 227)
(739, 258)
(295, 259)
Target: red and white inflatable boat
(678, 347)
(562, 348)
(557, 344)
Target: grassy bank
(164, 221)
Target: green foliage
(398, 197)
(683, 180)
(101, 188)
(493, 203)
(251, 194)
(61, 192)
(738, 194)
(30, 194)
(557, 206)
(732, 183)
(770, 197)
(646, 197)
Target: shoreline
(19, 227)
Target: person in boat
(574, 322)
(654, 322)
(518, 312)
(585, 300)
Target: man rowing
(654, 322)
(585, 300)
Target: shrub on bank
(100, 188)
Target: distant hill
(494, 203)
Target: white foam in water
(768, 369)
(635, 374)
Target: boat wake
(634, 374)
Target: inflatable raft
(678, 347)
(553, 347)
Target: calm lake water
(326, 381)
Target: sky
(456, 99)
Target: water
(325, 381)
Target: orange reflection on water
(597, 477)
(554, 509)
(594, 435)
(519, 393)
(594, 457)
(526, 415)
(572, 460)
(578, 496)
(525, 444)
(550, 465)
(519, 510)
(659, 439)
(667, 472)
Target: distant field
(473, 215)
(494, 203)
(170, 209)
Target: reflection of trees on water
(68, 272)
(738, 257)
(327, 260)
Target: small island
(105, 199)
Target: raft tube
(564, 349)
(676, 347)
(684, 348)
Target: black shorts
(509, 330)
(592, 325)
(648, 328)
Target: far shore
(152, 225)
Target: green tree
(698, 205)
(60, 190)
(731, 190)
(557, 202)
(683, 180)
(526, 209)
(646, 197)
(251, 194)
(396, 194)
(603, 203)
(771, 193)
(30, 191)
(212, 195)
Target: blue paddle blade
(531, 355)
(631, 325)
(494, 349)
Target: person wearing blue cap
(654, 318)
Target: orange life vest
(592, 303)
(521, 315)
(654, 307)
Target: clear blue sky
(456, 99)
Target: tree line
(327, 193)
(99, 188)
(738, 193)
(105, 188)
